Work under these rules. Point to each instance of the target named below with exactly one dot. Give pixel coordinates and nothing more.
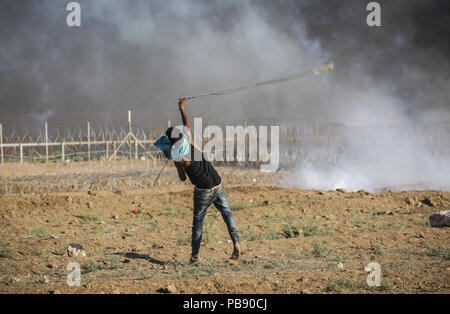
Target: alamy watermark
(374, 277)
(74, 17)
(231, 144)
(74, 277)
(374, 17)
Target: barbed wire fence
(104, 158)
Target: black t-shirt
(201, 173)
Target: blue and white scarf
(179, 149)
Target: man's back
(201, 173)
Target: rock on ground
(168, 289)
(75, 250)
(440, 219)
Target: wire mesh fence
(114, 176)
(104, 158)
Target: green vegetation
(5, 250)
(101, 229)
(340, 258)
(210, 234)
(307, 255)
(38, 233)
(88, 267)
(203, 268)
(307, 228)
(171, 212)
(384, 286)
(272, 235)
(182, 239)
(242, 205)
(85, 219)
(290, 231)
(112, 262)
(378, 248)
(438, 251)
(250, 235)
(319, 251)
(310, 228)
(393, 226)
(344, 285)
(295, 255)
(8, 275)
(151, 226)
(273, 218)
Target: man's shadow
(133, 255)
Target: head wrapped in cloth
(174, 147)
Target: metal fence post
(129, 132)
(1, 142)
(129, 121)
(46, 142)
(89, 140)
(316, 129)
(135, 149)
(63, 157)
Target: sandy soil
(293, 240)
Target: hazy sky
(143, 55)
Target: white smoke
(400, 158)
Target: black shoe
(194, 260)
(236, 251)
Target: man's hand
(182, 103)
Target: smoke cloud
(143, 55)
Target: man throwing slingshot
(189, 160)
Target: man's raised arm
(184, 117)
(186, 123)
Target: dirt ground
(293, 241)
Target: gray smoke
(143, 55)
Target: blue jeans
(202, 200)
